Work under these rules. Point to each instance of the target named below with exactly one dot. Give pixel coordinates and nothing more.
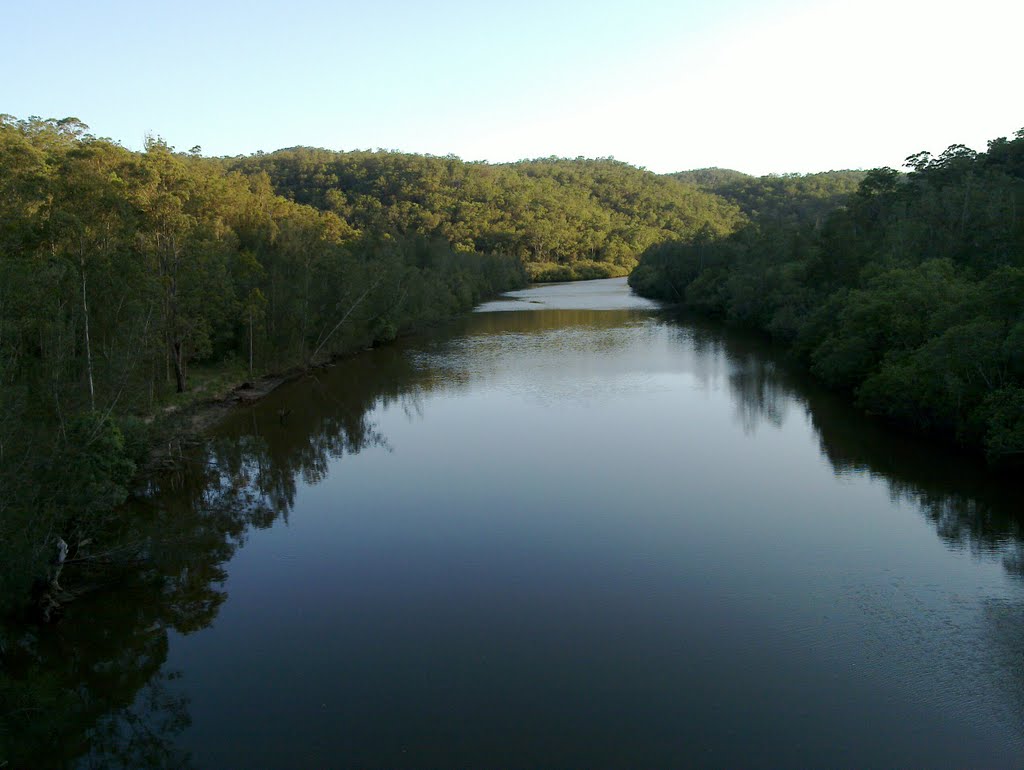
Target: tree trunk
(58, 564)
(179, 365)
(250, 343)
(88, 344)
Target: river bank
(179, 426)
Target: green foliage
(123, 272)
(90, 472)
(593, 217)
(896, 311)
(778, 199)
(1003, 415)
(907, 291)
(580, 270)
(65, 488)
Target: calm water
(567, 531)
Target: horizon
(778, 87)
(394, 151)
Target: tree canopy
(563, 218)
(907, 291)
(125, 276)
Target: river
(571, 529)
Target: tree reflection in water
(970, 506)
(93, 690)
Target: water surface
(573, 530)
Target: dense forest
(909, 293)
(777, 198)
(128, 278)
(564, 219)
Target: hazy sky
(767, 86)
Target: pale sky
(760, 86)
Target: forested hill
(911, 296)
(782, 199)
(563, 218)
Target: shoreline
(179, 427)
